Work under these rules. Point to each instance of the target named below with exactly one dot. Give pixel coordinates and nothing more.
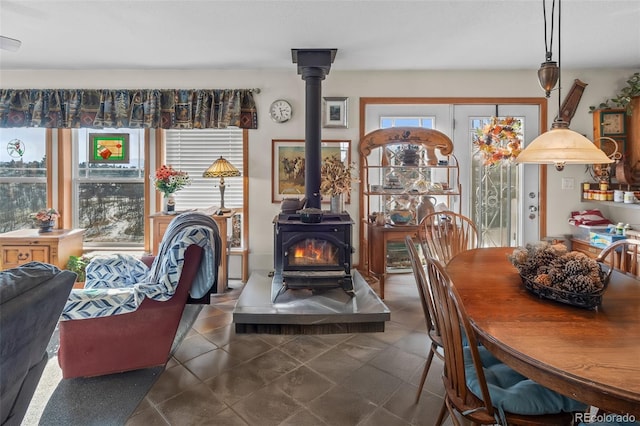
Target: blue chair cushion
(512, 392)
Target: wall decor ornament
(335, 113)
(109, 148)
(499, 140)
(16, 148)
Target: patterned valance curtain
(137, 108)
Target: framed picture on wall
(288, 165)
(334, 114)
(108, 147)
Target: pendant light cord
(559, 60)
(548, 42)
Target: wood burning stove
(312, 255)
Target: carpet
(105, 400)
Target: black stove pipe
(312, 138)
(313, 65)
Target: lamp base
(222, 210)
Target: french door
(503, 201)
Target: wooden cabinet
(633, 145)
(27, 245)
(593, 251)
(614, 128)
(399, 167)
(584, 247)
(378, 248)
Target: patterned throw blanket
(118, 284)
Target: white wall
(602, 84)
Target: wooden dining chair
(435, 348)
(445, 234)
(478, 386)
(623, 255)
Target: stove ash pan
(314, 255)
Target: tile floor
(222, 378)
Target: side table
(28, 245)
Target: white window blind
(193, 151)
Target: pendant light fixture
(560, 145)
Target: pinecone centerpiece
(553, 272)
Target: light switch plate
(568, 183)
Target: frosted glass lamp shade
(560, 146)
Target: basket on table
(550, 271)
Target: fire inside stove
(313, 251)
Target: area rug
(105, 400)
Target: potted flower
(168, 180)
(336, 179)
(45, 218)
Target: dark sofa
(32, 297)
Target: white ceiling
(369, 34)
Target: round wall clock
(280, 111)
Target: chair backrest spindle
(623, 255)
(423, 290)
(445, 234)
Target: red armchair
(139, 339)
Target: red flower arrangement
(168, 180)
(499, 140)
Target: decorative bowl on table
(552, 272)
(588, 300)
(401, 217)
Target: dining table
(591, 355)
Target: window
(109, 196)
(386, 122)
(23, 176)
(193, 151)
